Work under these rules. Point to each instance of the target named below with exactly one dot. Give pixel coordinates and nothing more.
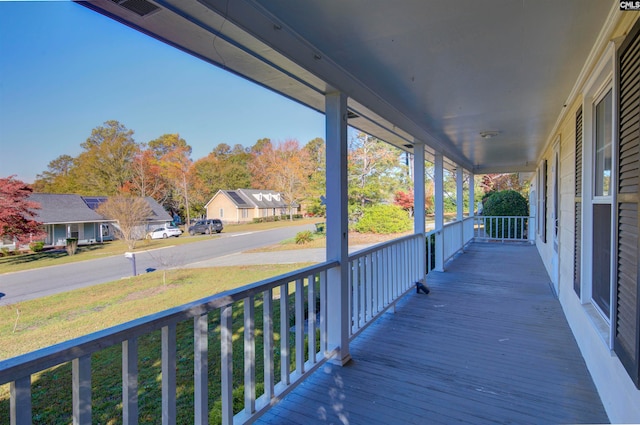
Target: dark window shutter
(577, 230)
(544, 201)
(627, 296)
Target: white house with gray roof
(74, 216)
(243, 205)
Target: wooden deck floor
(488, 345)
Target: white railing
(380, 275)
(297, 298)
(286, 313)
(455, 236)
(503, 228)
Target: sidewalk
(290, 256)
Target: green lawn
(38, 323)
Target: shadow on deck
(490, 344)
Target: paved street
(30, 284)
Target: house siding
(618, 393)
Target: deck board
(490, 344)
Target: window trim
(595, 89)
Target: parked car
(164, 232)
(206, 226)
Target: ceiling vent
(139, 7)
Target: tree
(129, 212)
(223, 168)
(284, 168)
(375, 172)
(174, 156)
(17, 216)
(496, 182)
(404, 200)
(58, 177)
(317, 186)
(147, 177)
(259, 163)
(105, 165)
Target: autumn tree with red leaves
(404, 200)
(17, 216)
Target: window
(73, 231)
(542, 201)
(245, 213)
(602, 149)
(221, 212)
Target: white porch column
(472, 199)
(459, 193)
(418, 203)
(438, 181)
(337, 227)
(460, 202)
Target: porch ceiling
(416, 71)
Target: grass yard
(39, 323)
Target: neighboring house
(74, 216)
(243, 205)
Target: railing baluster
(81, 383)
(323, 312)
(406, 269)
(284, 334)
(396, 268)
(20, 393)
(375, 283)
(226, 359)
(267, 320)
(353, 294)
(200, 369)
(249, 356)
(169, 374)
(362, 313)
(388, 271)
(130, 381)
(311, 335)
(299, 334)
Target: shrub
(72, 246)
(304, 237)
(505, 203)
(36, 246)
(384, 219)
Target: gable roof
(63, 208)
(263, 198)
(158, 211)
(56, 208)
(252, 198)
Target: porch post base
(337, 360)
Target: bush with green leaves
(384, 219)
(506, 203)
(36, 246)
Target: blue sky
(65, 70)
